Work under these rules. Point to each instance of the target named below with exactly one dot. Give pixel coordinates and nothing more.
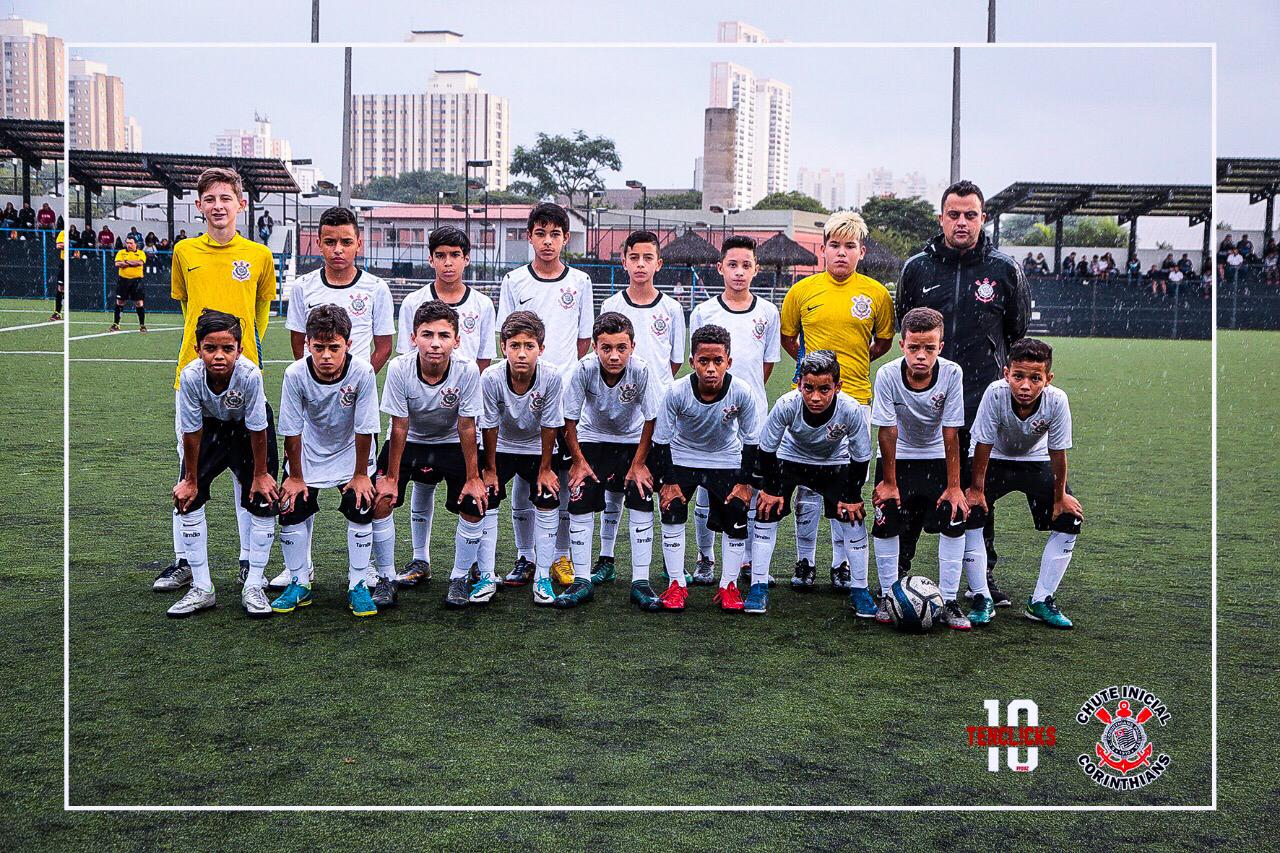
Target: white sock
(262, 532)
(808, 511)
(548, 527)
(359, 551)
(523, 525)
(703, 536)
(311, 535)
(466, 546)
(244, 519)
(609, 520)
(195, 544)
(641, 527)
(762, 545)
(178, 553)
(562, 534)
(975, 562)
(950, 560)
(295, 544)
(751, 528)
(1053, 564)
(488, 554)
(422, 508)
(580, 529)
(838, 554)
(384, 546)
(887, 563)
(673, 551)
(731, 559)
(855, 551)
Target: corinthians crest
(358, 305)
(568, 298)
(537, 401)
(938, 400)
(861, 307)
(660, 324)
(1123, 758)
(757, 329)
(347, 396)
(1040, 426)
(986, 290)
(629, 392)
(837, 431)
(240, 270)
(468, 321)
(233, 399)
(731, 412)
(449, 397)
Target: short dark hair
(449, 235)
(820, 362)
(328, 321)
(1033, 350)
(523, 323)
(963, 188)
(612, 323)
(211, 321)
(737, 241)
(548, 213)
(711, 335)
(635, 238)
(336, 217)
(433, 310)
(921, 320)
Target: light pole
(441, 195)
(593, 212)
(468, 186)
(315, 20)
(644, 202)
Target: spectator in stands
(1042, 266)
(1154, 279)
(46, 218)
(106, 237)
(73, 240)
(182, 235)
(1168, 263)
(149, 249)
(1226, 245)
(1029, 264)
(1175, 278)
(1269, 247)
(1110, 267)
(1235, 260)
(1185, 265)
(164, 245)
(1096, 267)
(1082, 268)
(27, 216)
(1069, 265)
(9, 217)
(151, 240)
(88, 238)
(1245, 248)
(135, 235)
(265, 226)
(1133, 269)
(1271, 266)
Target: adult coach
(984, 300)
(850, 314)
(223, 271)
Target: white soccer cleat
(254, 601)
(283, 579)
(193, 602)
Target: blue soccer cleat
(361, 602)
(757, 600)
(862, 603)
(295, 595)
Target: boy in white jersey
(329, 418)
(520, 422)
(226, 425)
(561, 297)
(610, 402)
(707, 433)
(918, 407)
(450, 250)
(433, 400)
(816, 437)
(752, 323)
(1021, 435)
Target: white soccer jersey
(659, 331)
(367, 301)
(1017, 439)
(708, 434)
(842, 436)
(520, 418)
(919, 415)
(328, 416)
(475, 322)
(242, 400)
(755, 338)
(611, 414)
(564, 305)
(432, 410)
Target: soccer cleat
(757, 599)
(728, 598)
(704, 571)
(984, 610)
(193, 602)
(953, 617)
(562, 571)
(579, 592)
(882, 610)
(861, 603)
(998, 598)
(744, 574)
(371, 577)
(282, 580)
(360, 601)
(521, 573)
(474, 575)
(55, 316)
(385, 592)
(674, 597)
(142, 328)
(115, 327)
(295, 595)
(605, 571)
(1048, 612)
(243, 574)
(175, 576)
(805, 577)
(482, 590)
(415, 572)
(254, 601)
(841, 577)
(666, 577)
(643, 596)
(543, 591)
(459, 594)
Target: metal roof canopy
(1259, 178)
(32, 142)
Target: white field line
(30, 352)
(29, 326)
(123, 332)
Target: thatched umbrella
(879, 257)
(781, 251)
(689, 250)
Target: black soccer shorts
(431, 464)
(525, 466)
(610, 461)
(729, 519)
(830, 481)
(129, 289)
(227, 445)
(920, 483)
(1033, 479)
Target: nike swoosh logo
(813, 307)
(523, 301)
(927, 289)
(192, 269)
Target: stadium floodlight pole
(467, 186)
(955, 115)
(344, 194)
(315, 21)
(991, 20)
(644, 202)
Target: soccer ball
(913, 602)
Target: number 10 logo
(1021, 725)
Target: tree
(567, 165)
(794, 200)
(909, 222)
(691, 200)
(1100, 231)
(423, 188)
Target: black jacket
(983, 296)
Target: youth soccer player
(226, 425)
(129, 262)
(521, 419)
(1021, 435)
(610, 402)
(752, 323)
(434, 400)
(816, 437)
(707, 434)
(329, 418)
(226, 272)
(919, 410)
(561, 297)
(659, 324)
(450, 251)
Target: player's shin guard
(295, 544)
(422, 507)
(808, 510)
(195, 546)
(262, 532)
(609, 520)
(673, 551)
(244, 519)
(855, 551)
(1053, 564)
(548, 527)
(580, 529)
(732, 556)
(384, 546)
(359, 552)
(762, 545)
(466, 546)
(177, 537)
(523, 524)
(950, 560)
(751, 526)
(703, 536)
(975, 562)
(641, 528)
(487, 556)
(838, 552)
(887, 562)
(562, 534)
(311, 535)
